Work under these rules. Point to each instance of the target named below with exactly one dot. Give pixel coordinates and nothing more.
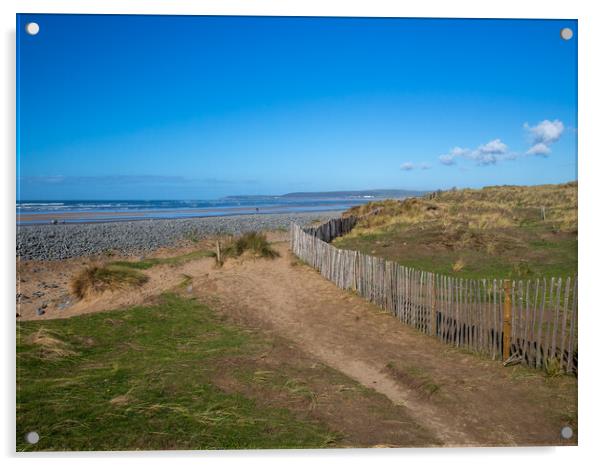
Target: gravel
(63, 241)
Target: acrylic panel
(295, 232)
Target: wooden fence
(529, 321)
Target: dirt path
(464, 399)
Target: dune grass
(252, 242)
(96, 279)
(501, 231)
(141, 378)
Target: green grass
(152, 262)
(141, 379)
(495, 232)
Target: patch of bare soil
(461, 398)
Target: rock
(65, 304)
(40, 311)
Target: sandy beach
(96, 216)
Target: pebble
(64, 241)
(65, 304)
(40, 311)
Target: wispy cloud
(126, 180)
(408, 166)
(543, 135)
(486, 154)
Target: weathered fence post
(355, 271)
(434, 309)
(507, 320)
(218, 253)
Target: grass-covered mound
(501, 231)
(141, 379)
(96, 279)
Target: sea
(42, 212)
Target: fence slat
(573, 324)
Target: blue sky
(168, 107)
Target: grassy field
(499, 232)
(142, 379)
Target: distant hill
(361, 194)
(378, 193)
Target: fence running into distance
(528, 321)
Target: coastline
(49, 242)
(84, 214)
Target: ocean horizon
(77, 211)
(42, 212)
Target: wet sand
(166, 213)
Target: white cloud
(447, 159)
(539, 149)
(490, 153)
(546, 131)
(459, 151)
(408, 166)
(543, 135)
(541, 138)
(495, 147)
(485, 154)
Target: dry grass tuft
(253, 243)
(97, 279)
(458, 265)
(120, 400)
(49, 345)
